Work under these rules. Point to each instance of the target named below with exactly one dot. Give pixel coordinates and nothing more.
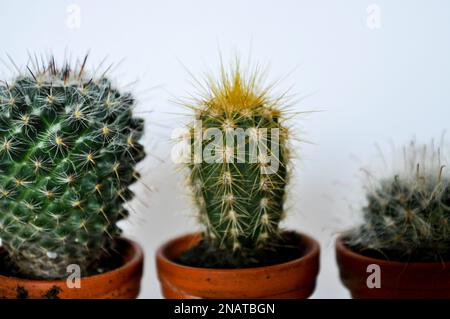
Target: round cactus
(407, 216)
(238, 163)
(68, 148)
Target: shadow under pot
(371, 278)
(295, 279)
(122, 282)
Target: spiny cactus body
(239, 183)
(68, 148)
(407, 216)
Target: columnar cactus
(407, 216)
(239, 157)
(68, 148)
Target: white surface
(374, 85)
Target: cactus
(239, 187)
(68, 148)
(408, 213)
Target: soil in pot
(205, 255)
(421, 255)
(112, 261)
(122, 280)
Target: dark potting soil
(4, 263)
(112, 261)
(419, 255)
(204, 255)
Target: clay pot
(417, 280)
(120, 283)
(295, 279)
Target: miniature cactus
(239, 187)
(68, 148)
(407, 216)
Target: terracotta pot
(418, 280)
(295, 279)
(120, 283)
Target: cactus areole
(68, 149)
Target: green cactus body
(407, 215)
(68, 147)
(240, 201)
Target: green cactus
(239, 183)
(68, 148)
(407, 216)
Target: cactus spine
(68, 148)
(408, 213)
(239, 197)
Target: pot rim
(312, 251)
(135, 259)
(342, 249)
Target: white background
(372, 84)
